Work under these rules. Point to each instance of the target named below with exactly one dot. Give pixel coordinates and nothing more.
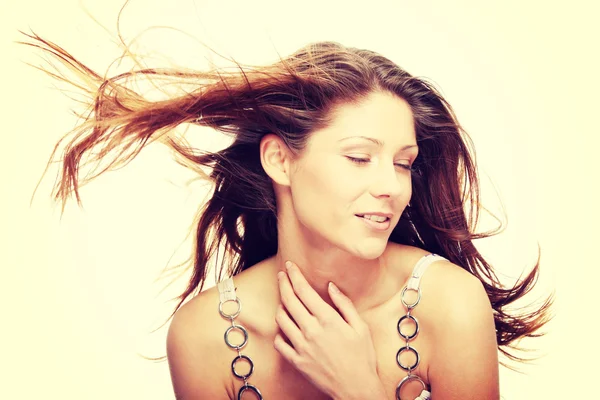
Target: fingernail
(288, 264)
(333, 288)
(280, 275)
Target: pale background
(79, 296)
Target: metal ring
(238, 358)
(230, 316)
(405, 381)
(251, 388)
(235, 346)
(413, 305)
(403, 349)
(408, 337)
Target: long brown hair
(290, 98)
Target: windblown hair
(290, 98)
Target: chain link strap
(228, 295)
(407, 348)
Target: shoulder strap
(227, 293)
(226, 290)
(419, 270)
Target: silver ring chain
(238, 347)
(410, 377)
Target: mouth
(375, 222)
(374, 217)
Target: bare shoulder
(453, 283)
(456, 295)
(199, 359)
(449, 292)
(196, 351)
(456, 311)
(445, 284)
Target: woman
(345, 176)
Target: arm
(465, 364)
(196, 367)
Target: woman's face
(354, 173)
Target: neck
(362, 280)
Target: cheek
(406, 192)
(407, 188)
(320, 193)
(306, 190)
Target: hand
(335, 352)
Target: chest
(276, 378)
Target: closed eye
(362, 161)
(358, 160)
(407, 167)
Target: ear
(275, 158)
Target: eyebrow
(376, 141)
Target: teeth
(375, 218)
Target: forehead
(380, 115)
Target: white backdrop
(79, 295)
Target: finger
(285, 349)
(346, 307)
(293, 305)
(288, 327)
(305, 292)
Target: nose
(388, 182)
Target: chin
(370, 249)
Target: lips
(388, 216)
(377, 219)
(375, 225)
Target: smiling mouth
(380, 225)
(374, 218)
